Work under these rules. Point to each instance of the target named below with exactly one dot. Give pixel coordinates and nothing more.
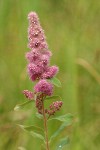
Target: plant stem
(45, 127)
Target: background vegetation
(73, 33)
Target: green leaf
(60, 129)
(53, 97)
(39, 116)
(34, 131)
(43, 147)
(20, 106)
(21, 148)
(64, 118)
(67, 120)
(62, 143)
(37, 135)
(32, 128)
(56, 82)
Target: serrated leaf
(37, 135)
(64, 118)
(20, 106)
(62, 143)
(53, 97)
(39, 116)
(56, 82)
(60, 129)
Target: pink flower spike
(28, 94)
(44, 87)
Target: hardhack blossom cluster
(55, 106)
(44, 87)
(39, 56)
(38, 67)
(28, 94)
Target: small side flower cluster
(28, 94)
(55, 106)
(38, 67)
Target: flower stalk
(40, 71)
(45, 127)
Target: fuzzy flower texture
(38, 57)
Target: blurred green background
(73, 34)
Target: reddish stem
(45, 127)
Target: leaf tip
(16, 108)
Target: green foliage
(43, 147)
(39, 116)
(66, 119)
(37, 135)
(20, 106)
(21, 148)
(62, 143)
(56, 81)
(32, 128)
(53, 97)
(35, 131)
